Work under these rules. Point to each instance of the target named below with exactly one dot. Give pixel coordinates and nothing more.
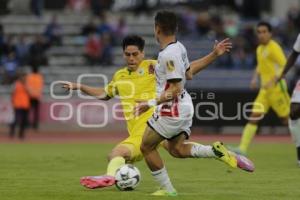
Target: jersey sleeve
(111, 89)
(173, 66)
(297, 45)
(278, 56)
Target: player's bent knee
(146, 148)
(176, 151)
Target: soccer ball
(127, 177)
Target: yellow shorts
(276, 98)
(136, 131)
(133, 144)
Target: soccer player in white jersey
(294, 121)
(173, 116)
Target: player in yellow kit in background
(272, 94)
(134, 82)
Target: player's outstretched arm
(198, 65)
(98, 93)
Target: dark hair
(266, 24)
(167, 22)
(134, 40)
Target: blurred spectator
(21, 104)
(106, 53)
(187, 21)
(100, 6)
(53, 32)
(10, 65)
(78, 5)
(35, 83)
(9, 46)
(142, 7)
(37, 7)
(22, 49)
(93, 49)
(203, 24)
(120, 30)
(217, 25)
(104, 26)
(89, 28)
(293, 17)
(37, 52)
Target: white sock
(162, 177)
(202, 151)
(294, 126)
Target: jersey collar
(168, 45)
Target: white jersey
(297, 44)
(296, 93)
(174, 117)
(172, 64)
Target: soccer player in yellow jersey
(270, 64)
(134, 82)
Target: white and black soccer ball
(127, 177)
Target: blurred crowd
(26, 99)
(205, 25)
(101, 33)
(23, 50)
(100, 36)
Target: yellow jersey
(271, 61)
(130, 86)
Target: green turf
(52, 171)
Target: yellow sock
(248, 134)
(114, 164)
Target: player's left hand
(141, 107)
(222, 47)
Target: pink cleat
(93, 182)
(244, 163)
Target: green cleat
(162, 192)
(222, 153)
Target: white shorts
(173, 119)
(296, 93)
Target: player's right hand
(222, 47)
(69, 85)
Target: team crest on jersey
(141, 72)
(170, 65)
(151, 69)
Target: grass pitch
(52, 171)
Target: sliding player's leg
(151, 140)
(128, 151)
